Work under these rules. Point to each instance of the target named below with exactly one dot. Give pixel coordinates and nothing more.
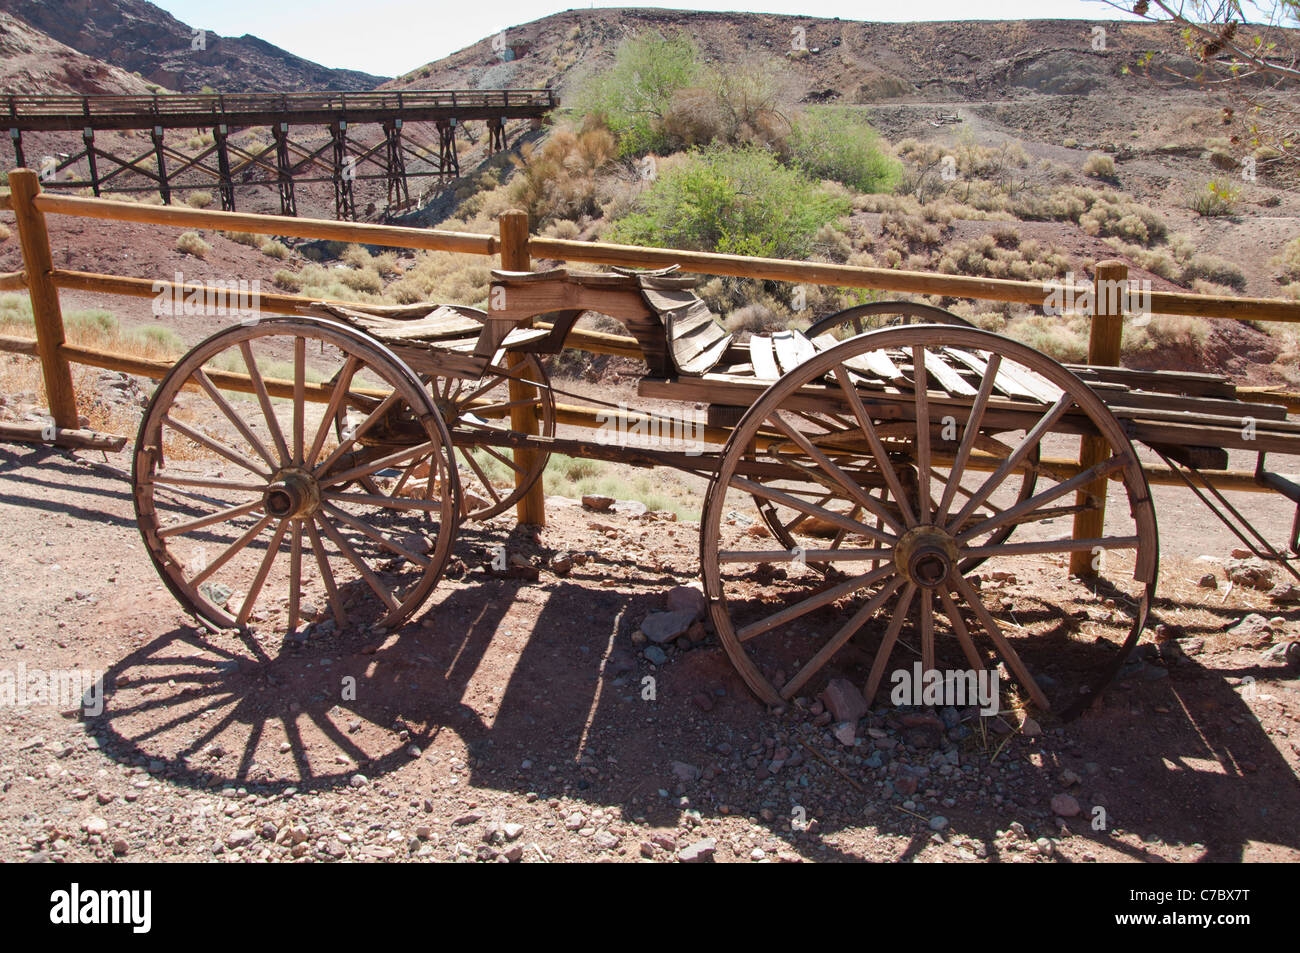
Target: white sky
(390, 37)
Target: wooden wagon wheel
(230, 472)
(470, 406)
(767, 610)
(870, 317)
(785, 522)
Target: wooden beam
(48, 316)
(12, 281)
(1103, 350)
(77, 438)
(888, 279)
(392, 236)
(531, 507)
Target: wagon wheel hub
(293, 494)
(448, 409)
(926, 555)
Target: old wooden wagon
(883, 455)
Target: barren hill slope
(139, 37)
(32, 62)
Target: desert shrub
(911, 230)
(386, 263)
(737, 201)
(634, 95)
(835, 144)
(739, 104)
(1112, 214)
(562, 229)
(1099, 166)
(156, 338)
(1215, 269)
(1165, 332)
(1289, 260)
(275, 249)
(1218, 197)
(286, 280)
(355, 256)
(244, 238)
(361, 279)
(982, 256)
(190, 243)
(446, 278)
(1062, 337)
(198, 199)
(560, 179)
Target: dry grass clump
(995, 256)
(1165, 332)
(5, 233)
(1212, 268)
(445, 278)
(244, 238)
(191, 243)
(559, 179)
(1288, 260)
(94, 328)
(274, 249)
(1100, 166)
(198, 199)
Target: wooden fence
(516, 249)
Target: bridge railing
(516, 249)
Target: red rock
(1064, 805)
(844, 700)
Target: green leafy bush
(634, 96)
(835, 144)
(736, 201)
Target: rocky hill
(32, 62)
(139, 37)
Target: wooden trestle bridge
(283, 163)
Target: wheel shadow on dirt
(568, 707)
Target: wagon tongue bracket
(926, 555)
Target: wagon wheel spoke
(878, 449)
(351, 555)
(840, 478)
(337, 395)
(374, 466)
(255, 589)
(326, 575)
(959, 629)
(825, 597)
(467, 453)
(994, 632)
(840, 638)
(1031, 441)
(968, 438)
(887, 643)
(353, 434)
(295, 575)
(922, 397)
(1027, 508)
(234, 417)
(264, 399)
(217, 541)
(793, 502)
(216, 446)
(365, 529)
(231, 551)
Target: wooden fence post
(1110, 289)
(48, 317)
(531, 507)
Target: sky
(391, 37)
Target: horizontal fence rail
(516, 246)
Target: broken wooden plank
(762, 358)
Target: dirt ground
(522, 721)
